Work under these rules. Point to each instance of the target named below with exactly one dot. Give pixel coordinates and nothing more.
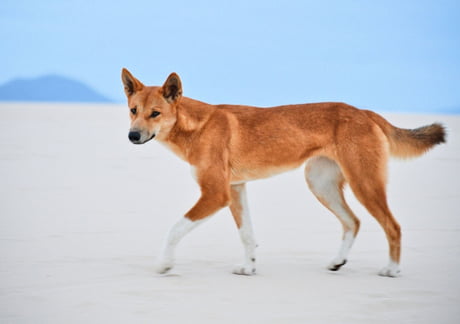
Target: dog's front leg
(178, 231)
(240, 212)
(215, 194)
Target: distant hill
(51, 88)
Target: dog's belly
(244, 174)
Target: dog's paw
(390, 271)
(164, 266)
(336, 264)
(244, 269)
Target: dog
(229, 145)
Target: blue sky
(383, 55)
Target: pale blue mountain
(50, 88)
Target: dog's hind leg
(369, 188)
(240, 212)
(326, 181)
(365, 171)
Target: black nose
(134, 136)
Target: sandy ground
(83, 213)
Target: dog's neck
(192, 115)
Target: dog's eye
(155, 114)
(134, 110)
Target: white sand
(83, 213)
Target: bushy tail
(408, 143)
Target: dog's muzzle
(136, 137)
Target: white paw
(245, 269)
(336, 264)
(164, 266)
(392, 270)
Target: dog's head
(152, 109)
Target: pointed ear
(172, 88)
(131, 84)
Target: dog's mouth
(136, 137)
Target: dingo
(228, 145)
